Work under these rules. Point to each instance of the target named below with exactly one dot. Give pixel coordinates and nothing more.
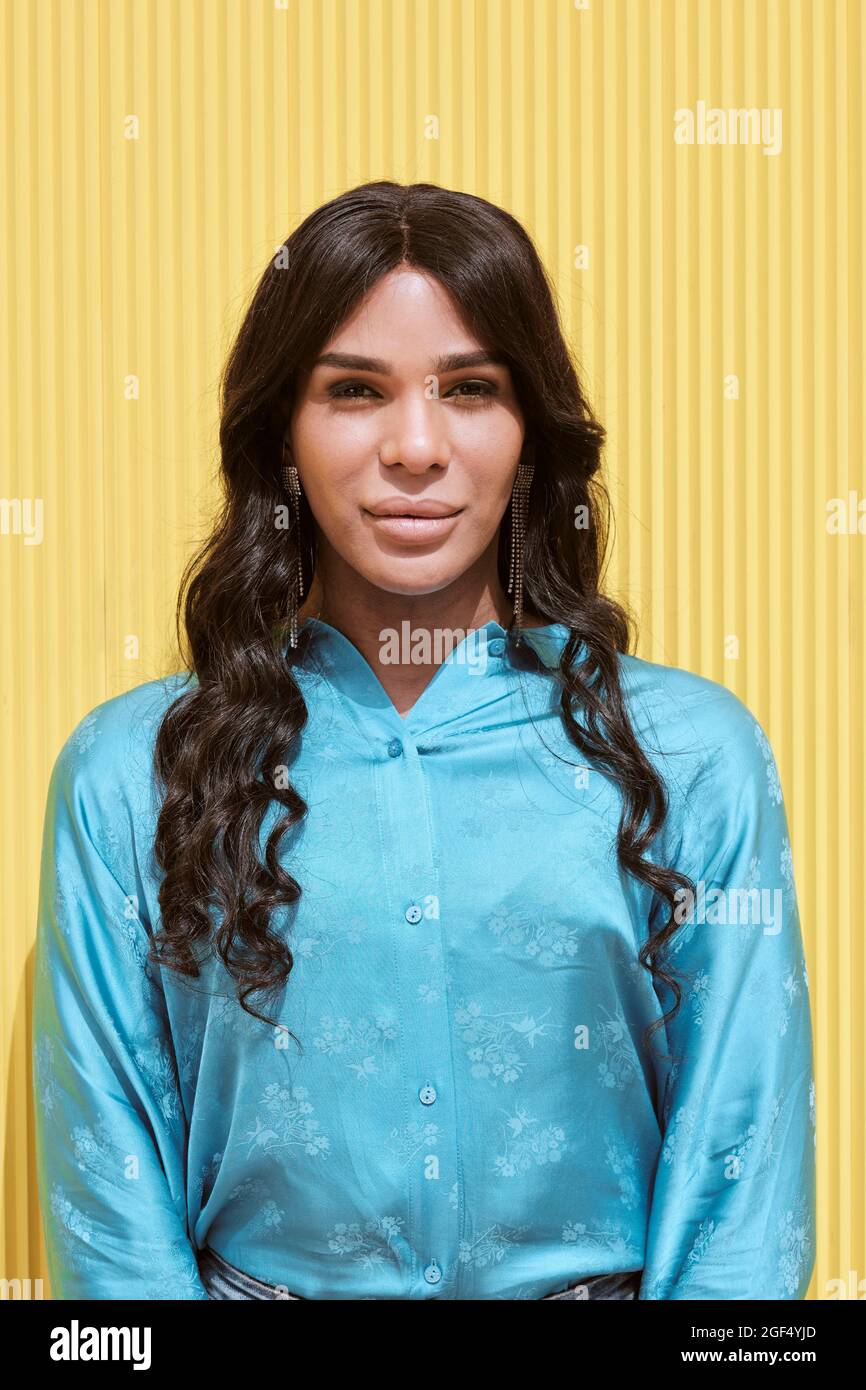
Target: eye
(476, 392)
(345, 391)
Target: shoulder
(697, 727)
(103, 773)
(121, 727)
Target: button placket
(425, 1036)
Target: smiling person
(444, 977)
(409, 459)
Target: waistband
(224, 1281)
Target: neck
(366, 614)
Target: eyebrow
(452, 362)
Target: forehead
(408, 307)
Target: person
(417, 940)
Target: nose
(415, 433)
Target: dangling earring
(519, 508)
(293, 487)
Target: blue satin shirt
(472, 1114)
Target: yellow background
(134, 258)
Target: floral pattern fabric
(472, 1112)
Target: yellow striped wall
(716, 307)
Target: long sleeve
(110, 1128)
(732, 1212)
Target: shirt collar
(547, 641)
(474, 674)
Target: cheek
(492, 477)
(490, 451)
(327, 463)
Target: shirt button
(427, 1095)
(496, 646)
(432, 1273)
(395, 748)
(414, 913)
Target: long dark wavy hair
(221, 743)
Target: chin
(413, 590)
(416, 587)
(412, 574)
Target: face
(405, 413)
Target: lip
(414, 530)
(409, 506)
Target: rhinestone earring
(293, 488)
(519, 508)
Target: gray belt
(223, 1280)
